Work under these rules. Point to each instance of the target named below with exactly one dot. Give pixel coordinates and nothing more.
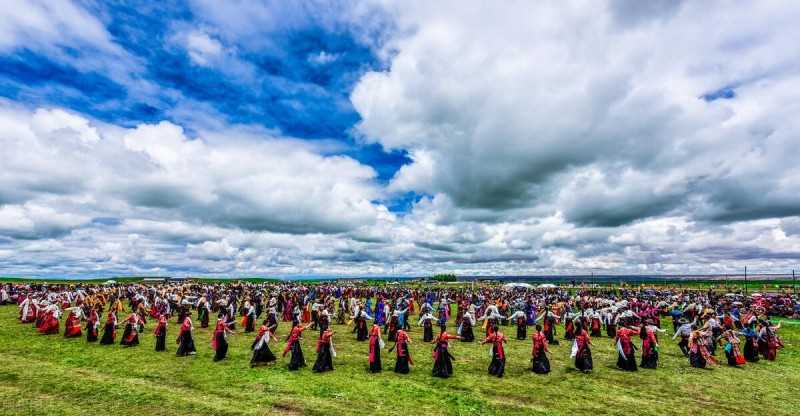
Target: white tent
(110, 282)
(547, 286)
(517, 285)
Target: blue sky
(299, 85)
(369, 137)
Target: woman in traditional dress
(360, 318)
(750, 342)
(27, 310)
(92, 326)
(403, 354)
(261, 352)
(219, 339)
(467, 323)
(72, 326)
(375, 345)
(203, 311)
(498, 364)
(522, 323)
(392, 326)
(442, 359)
(426, 321)
(293, 344)
(110, 329)
(161, 333)
(649, 336)
(185, 340)
(729, 340)
(596, 324)
(768, 340)
(49, 324)
(130, 336)
(541, 364)
(249, 320)
(581, 351)
(325, 352)
(626, 357)
(699, 356)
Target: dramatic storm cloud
(372, 137)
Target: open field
(56, 376)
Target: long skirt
(262, 355)
(626, 362)
(541, 364)
(427, 333)
(498, 365)
(650, 358)
(361, 331)
(161, 341)
(466, 333)
(522, 331)
(697, 360)
(109, 333)
(583, 360)
(443, 366)
(185, 344)
(324, 360)
(251, 324)
(297, 359)
(130, 337)
(750, 351)
(375, 366)
(401, 365)
(91, 332)
(222, 347)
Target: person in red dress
(72, 326)
(498, 363)
(375, 345)
(541, 364)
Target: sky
(275, 138)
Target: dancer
(467, 323)
(626, 358)
(750, 342)
(219, 339)
(541, 364)
(110, 329)
(325, 352)
(261, 352)
(49, 324)
(649, 345)
(522, 323)
(92, 326)
(581, 351)
(768, 340)
(699, 356)
(293, 344)
(72, 326)
(185, 340)
(403, 354)
(375, 345)
(498, 363)
(426, 321)
(130, 336)
(729, 340)
(160, 332)
(442, 359)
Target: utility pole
(794, 284)
(745, 280)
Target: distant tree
(445, 277)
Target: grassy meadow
(55, 376)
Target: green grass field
(55, 376)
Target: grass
(56, 376)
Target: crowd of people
(741, 326)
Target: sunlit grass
(52, 375)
